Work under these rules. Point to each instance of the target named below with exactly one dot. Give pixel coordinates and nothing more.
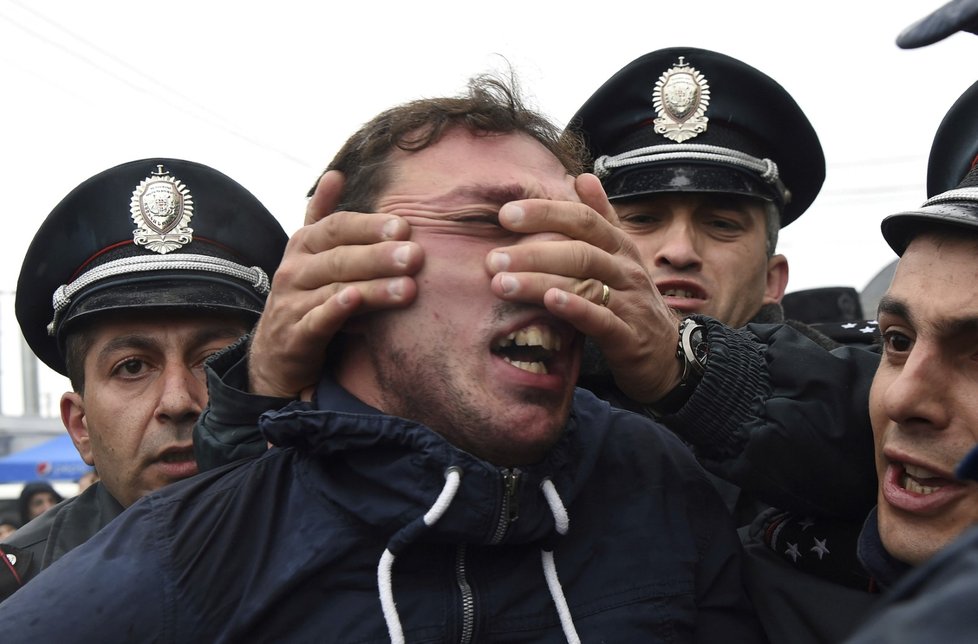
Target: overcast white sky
(267, 92)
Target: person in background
(8, 525)
(36, 498)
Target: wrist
(692, 355)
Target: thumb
(326, 197)
(592, 193)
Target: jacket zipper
(510, 510)
(468, 602)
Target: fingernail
(499, 261)
(389, 231)
(395, 287)
(344, 296)
(402, 254)
(561, 297)
(511, 214)
(510, 284)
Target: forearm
(785, 419)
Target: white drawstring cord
(453, 478)
(387, 598)
(561, 520)
(562, 524)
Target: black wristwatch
(693, 353)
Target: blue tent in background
(55, 459)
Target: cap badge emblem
(680, 99)
(161, 207)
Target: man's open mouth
(529, 348)
(685, 292)
(920, 480)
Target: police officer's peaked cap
(956, 207)
(691, 120)
(955, 148)
(955, 16)
(154, 234)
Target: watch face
(701, 349)
(693, 345)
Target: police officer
(133, 280)
(705, 158)
(802, 571)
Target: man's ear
(75, 421)
(777, 279)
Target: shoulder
(181, 515)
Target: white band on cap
(766, 169)
(145, 263)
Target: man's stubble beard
(419, 383)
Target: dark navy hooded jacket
(286, 547)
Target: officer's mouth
(918, 489)
(682, 295)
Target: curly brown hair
(491, 105)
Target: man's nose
(183, 394)
(679, 246)
(916, 396)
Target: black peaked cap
(957, 207)
(747, 112)
(90, 241)
(955, 149)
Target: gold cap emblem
(161, 207)
(680, 99)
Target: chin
(524, 446)
(913, 547)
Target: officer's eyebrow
(944, 326)
(147, 341)
(127, 342)
(895, 307)
(959, 326)
(222, 332)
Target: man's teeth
(677, 292)
(909, 479)
(532, 367)
(919, 472)
(532, 336)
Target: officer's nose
(679, 246)
(183, 394)
(914, 392)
